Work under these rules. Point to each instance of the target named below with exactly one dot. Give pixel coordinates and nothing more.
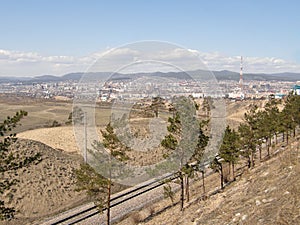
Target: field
(236, 110)
(39, 114)
(42, 113)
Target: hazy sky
(36, 36)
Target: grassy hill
(267, 194)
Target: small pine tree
(97, 186)
(229, 150)
(76, 116)
(199, 152)
(171, 142)
(157, 102)
(217, 166)
(168, 192)
(248, 131)
(93, 183)
(290, 116)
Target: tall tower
(241, 74)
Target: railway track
(82, 213)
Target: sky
(60, 36)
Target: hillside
(267, 194)
(235, 111)
(51, 183)
(44, 188)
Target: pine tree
(93, 183)
(273, 116)
(263, 131)
(229, 150)
(206, 106)
(76, 116)
(173, 140)
(97, 186)
(248, 131)
(157, 102)
(290, 115)
(269, 123)
(170, 142)
(199, 152)
(118, 151)
(217, 166)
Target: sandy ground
(235, 111)
(56, 137)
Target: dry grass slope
(267, 194)
(45, 188)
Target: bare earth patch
(56, 137)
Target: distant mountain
(275, 76)
(13, 79)
(229, 75)
(88, 76)
(226, 75)
(220, 75)
(72, 76)
(45, 78)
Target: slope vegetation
(267, 194)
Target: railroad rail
(117, 199)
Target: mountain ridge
(220, 75)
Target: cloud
(17, 63)
(218, 61)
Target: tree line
(278, 118)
